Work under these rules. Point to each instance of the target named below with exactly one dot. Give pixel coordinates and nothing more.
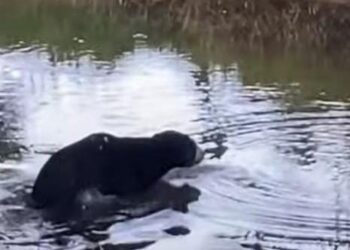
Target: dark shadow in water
(255, 246)
(177, 230)
(10, 121)
(126, 246)
(220, 149)
(91, 222)
(214, 134)
(161, 196)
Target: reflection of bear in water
(112, 165)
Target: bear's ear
(167, 134)
(171, 138)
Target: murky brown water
(277, 126)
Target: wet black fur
(113, 165)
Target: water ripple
(277, 173)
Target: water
(276, 126)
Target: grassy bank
(305, 24)
(290, 23)
(107, 30)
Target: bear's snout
(199, 155)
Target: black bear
(119, 166)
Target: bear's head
(178, 150)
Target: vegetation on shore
(311, 48)
(305, 23)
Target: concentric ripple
(276, 174)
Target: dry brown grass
(323, 24)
